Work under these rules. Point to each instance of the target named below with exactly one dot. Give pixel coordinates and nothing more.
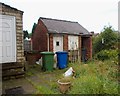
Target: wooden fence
(73, 56)
(27, 45)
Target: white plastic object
(69, 72)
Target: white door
(7, 39)
(72, 42)
(57, 43)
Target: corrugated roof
(63, 26)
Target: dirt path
(27, 87)
(34, 78)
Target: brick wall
(79, 48)
(51, 42)
(65, 42)
(87, 43)
(40, 38)
(7, 10)
(90, 47)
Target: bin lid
(61, 52)
(46, 52)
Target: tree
(106, 40)
(33, 28)
(26, 34)
(30, 35)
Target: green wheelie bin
(47, 61)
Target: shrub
(107, 39)
(107, 54)
(102, 55)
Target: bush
(107, 39)
(107, 54)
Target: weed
(96, 77)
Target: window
(57, 43)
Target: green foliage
(95, 78)
(87, 85)
(30, 35)
(54, 87)
(118, 36)
(110, 87)
(97, 44)
(107, 54)
(26, 34)
(109, 38)
(33, 28)
(42, 89)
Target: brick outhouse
(61, 35)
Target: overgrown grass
(94, 77)
(43, 89)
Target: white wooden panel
(72, 42)
(8, 48)
(57, 43)
(8, 36)
(7, 39)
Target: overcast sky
(91, 14)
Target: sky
(91, 14)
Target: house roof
(10, 7)
(63, 26)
